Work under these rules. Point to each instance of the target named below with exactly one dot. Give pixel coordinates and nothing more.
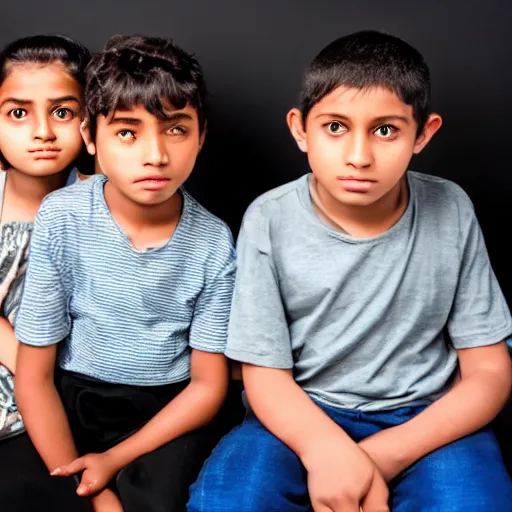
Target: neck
(137, 215)
(369, 220)
(33, 189)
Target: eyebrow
(20, 101)
(377, 120)
(134, 121)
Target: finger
(70, 469)
(376, 500)
(89, 485)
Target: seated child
(128, 292)
(366, 314)
(41, 105)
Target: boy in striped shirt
(128, 292)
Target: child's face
(40, 118)
(146, 158)
(359, 142)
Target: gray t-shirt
(365, 323)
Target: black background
(254, 54)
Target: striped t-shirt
(123, 315)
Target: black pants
(26, 484)
(103, 414)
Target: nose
(156, 154)
(43, 131)
(358, 150)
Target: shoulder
(210, 236)
(267, 210)
(71, 201)
(442, 196)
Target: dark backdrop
(254, 54)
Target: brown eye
(63, 114)
(386, 131)
(18, 113)
(335, 127)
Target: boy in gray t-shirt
(366, 314)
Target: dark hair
(369, 59)
(46, 49)
(148, 71)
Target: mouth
(355, 183)
(153, 182)
(153, 179)
(47, 153)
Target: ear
(294, 120)
(86, 136)
(434, 122)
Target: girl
(41, 105)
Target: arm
(340, 475)
(481, 392)
(41, 407)
(42, 320)
(479, 316)
(8, 346)
(193, 408)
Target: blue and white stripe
(124, 315)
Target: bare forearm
(471, 404)
(288, 412)
(193, 408)
(9, 345)
(46, 422)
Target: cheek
(393, 157)
(324, 155)
(183, 157)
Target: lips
(46, 153)
(44, 150)
(154, 179)
(355, 183)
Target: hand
(98, 470)
(342, 478)
(106, 501)
(385, 453)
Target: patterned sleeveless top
(14, 242)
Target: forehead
(365, 103)
(38, 82)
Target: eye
(18, 113)
(177, 130)
(385, 131)
(126, 135)
(336, 128)
(63, 114)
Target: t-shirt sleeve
(479, 314)
(208, 330)
(258, 330)
(43, 318)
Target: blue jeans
(253, 471)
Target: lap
(251, 470)
(160, 480)
(465, 476)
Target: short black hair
(147, 71)
(47, 49)
(369, 59)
